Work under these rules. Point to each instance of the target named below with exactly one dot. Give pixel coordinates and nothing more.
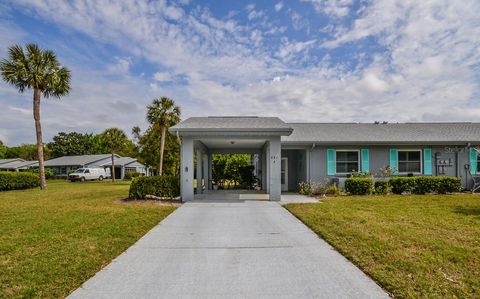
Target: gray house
(16, 164)
(289, 153)
(62, 166)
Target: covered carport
(205, 136)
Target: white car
(88, 174)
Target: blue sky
(307, 60)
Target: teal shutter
(427, 161)
(473, 161)
(331, 167)
(394, 160)
(365, 160)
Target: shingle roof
(18, 164)
(119, 161)
(232, 123)
(4, 161)
(383, 133)
(76, 160)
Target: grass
(413, 246)
(52, 241)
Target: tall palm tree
(39, 70)
(163, 113)
(114, 140)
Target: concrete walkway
(249, 249)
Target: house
(16, 164)
(62, 166)
(289, 153)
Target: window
(478, 162)
(347, 161)
(130, 169)
(410, 161)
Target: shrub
(305, 188)
(382, 187)
(425, 184)
(313, 188)
(402, 184)
(18, 180)
(160, 186)
(449, 185)
(359, 186)
(130, 175)
(332, 190)
(49, 173)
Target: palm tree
(39, 70)
(163, 113)
(114, 140)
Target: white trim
(347, 150)
(410, 150)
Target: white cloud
(334, 8)
(162, 76)
(121, 66)
(278, 6)
(425, 66)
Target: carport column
(186, 171)
(199, 170)
(205, 170)
(274, 157)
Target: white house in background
(62, 166)
(16, 164)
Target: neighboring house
(289, 153)
(16, 164)
(125, 165)
(62, 166)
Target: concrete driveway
(250, 249)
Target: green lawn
(414, 246)
(52, 241)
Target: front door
(284, 174)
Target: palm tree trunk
(38, 130)
(162, 149)
(113, 168)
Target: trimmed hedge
(425, 184)
(160, 186)
(359, 186)
(18, 180)
(382, 187)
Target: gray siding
(379, 158)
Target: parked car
(88, 174)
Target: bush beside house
(158, 186)
(18, 180)
(423, 185)
(359, 186)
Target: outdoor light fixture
(232, 142)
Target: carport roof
(233, 124)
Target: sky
(303, 61)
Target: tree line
(31, 68)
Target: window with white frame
(410, 161)
(347, 161)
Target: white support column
(275, 154)
(205, 170)
(186, 170)
(267, 173)
(199, 170)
